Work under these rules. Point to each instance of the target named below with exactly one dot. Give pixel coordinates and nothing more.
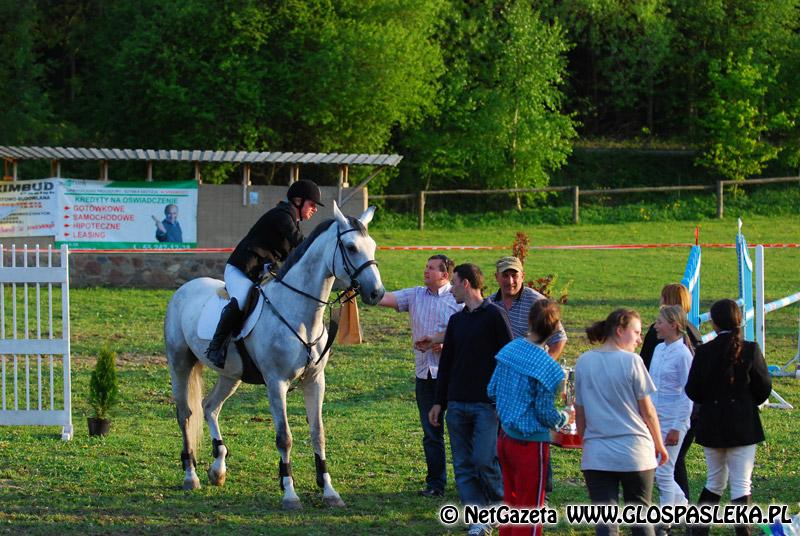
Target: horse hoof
(215, 478)
(333, 502)
(191, 483)
(292, 504)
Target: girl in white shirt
(669, 369)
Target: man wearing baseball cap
(517, 299)
(270, 240)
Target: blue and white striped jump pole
(691, 280)
(745, 284)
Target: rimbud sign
(27, 208)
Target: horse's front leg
(212, 405)
(276, 389)
(313, 394)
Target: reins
(343, 297)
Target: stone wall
(146, 270)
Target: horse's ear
(340, 218)
(366, 217)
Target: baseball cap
(508, 263)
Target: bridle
(343, 297)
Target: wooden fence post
(576, 196)
(421, 209)
(720, 201)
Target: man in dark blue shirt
(473, 338)
(169, 230)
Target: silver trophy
(569, 398)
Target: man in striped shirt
(517, 300)
(429, 307)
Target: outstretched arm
(389, 300)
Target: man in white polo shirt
(430, 307)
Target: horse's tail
(194, 398)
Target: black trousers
(637, 488)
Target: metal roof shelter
(11, 155)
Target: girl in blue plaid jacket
(523, 386)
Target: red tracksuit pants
(524, 466)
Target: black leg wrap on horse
(322, 468)
(216, 443)
(188, 456)
(284, 470)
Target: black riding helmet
(305, 189)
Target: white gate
(34, 339)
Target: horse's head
(354, 263)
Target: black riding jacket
(271, 239)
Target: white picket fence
(34, 339)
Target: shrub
(103, 386)
(544, 285)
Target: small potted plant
(103, 392)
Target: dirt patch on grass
(127, 360)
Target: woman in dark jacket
(729, 379)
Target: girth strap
(250, 372)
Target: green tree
(710, 30)
(187, 73)
(345, 73)
(500, 121)
(316, 76)
(618, 63)
(737, 121)
(25, 112)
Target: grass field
(128, 483)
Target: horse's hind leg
(186, 374)
(313, 394)
(276, 389)
(212, 405)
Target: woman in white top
(669, 369)
(622, 442)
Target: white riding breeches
(237, 284)
(734, 464)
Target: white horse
(286, 343)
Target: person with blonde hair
(622, 442)
(676, 294)
(672, 294)
(669, 371)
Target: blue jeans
(432, 438)
(473, 442)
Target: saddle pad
(209, 317)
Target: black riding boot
(229, 324)
(742, 530)
(706, 497)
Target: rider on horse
(270, 240)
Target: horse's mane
(298, 252)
